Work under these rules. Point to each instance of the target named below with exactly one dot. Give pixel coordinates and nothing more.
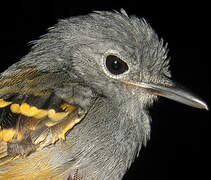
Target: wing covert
(33, 115)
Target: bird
(76, 107)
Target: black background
(178, 148)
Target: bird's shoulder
(38, 108)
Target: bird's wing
(32, 115)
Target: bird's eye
(115, 65)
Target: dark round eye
(115, 65)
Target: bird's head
(120, 57)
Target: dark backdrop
(178, 148)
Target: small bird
(76, 106)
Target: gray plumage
(105, 143)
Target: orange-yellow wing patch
(38, 123)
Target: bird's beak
(173, 92)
